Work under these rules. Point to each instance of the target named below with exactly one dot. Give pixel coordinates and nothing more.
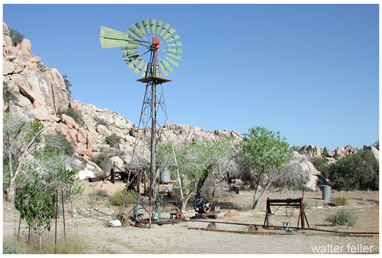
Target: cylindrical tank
(326, 192)
(155, 216)
(165, 176)
(138, 212)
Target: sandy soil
(180, 239)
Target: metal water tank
(138, 212)
(326, 192)
(165, 176)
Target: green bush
(59, 143)
(355, 172)
(100, 121)
(343, 217)
(16, 36)
(73, 113)
(113, 140)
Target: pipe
(281, 227)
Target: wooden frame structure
(288, 202)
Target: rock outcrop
(35, 84)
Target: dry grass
(72, 245)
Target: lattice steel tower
(152, 178)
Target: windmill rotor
(142, 38)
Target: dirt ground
(93, 211)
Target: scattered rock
(114, 223)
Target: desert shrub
(343, 217)
(100, 121)
(118, 198)
(355, 172)
(9, 94)
(113, 140)
(321, 164)
(59, 143)
(73, 113)
(340, 201)
(103, 160)
(292, 176)
(16, 36)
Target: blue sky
(308, 71)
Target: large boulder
(39, 113)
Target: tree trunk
(201, 182)
(255, 197)
(256, 202)
(21, 158)
(186, 201)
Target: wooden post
(302, 214)
(55, 231)
(21, 210)
(63, 213)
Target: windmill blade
(175, 44)
(164, 69)
(113, 34)
(139, 68)
(165, 27)
(141, 28)
(130, 45)
(176, 63)
(179, 57)
(129, 52)
(132, 35)
(146, 24)
(175, 50)
(106, 43)
(169, 33)
(168, 66)
(136, 31)
(130, 59)
(134, 64)
(159, 25)
(172, 38)
(152, 25)
(145, 70)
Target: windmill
(150, 48)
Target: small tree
(19, 136)
(264, 152)
(67, 84)
(16, 36)
(198, 160)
